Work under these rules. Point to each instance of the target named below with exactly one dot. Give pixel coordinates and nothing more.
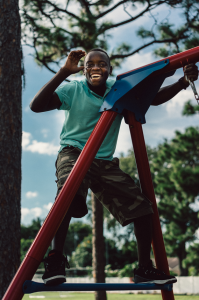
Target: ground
(112, 296)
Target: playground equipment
(32, 287)
(131, 95)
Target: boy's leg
(55, 261)
(125, 201)
(143, 233)
(60, 236)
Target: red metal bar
(148, 190)
(60, 207)
(176, 61)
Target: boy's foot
(150, 274)
(54, 265)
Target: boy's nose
(96, 66)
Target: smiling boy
(81, 101)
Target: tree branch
(126, 21)
(142, 47)
(85, 4)
(110, 9)
(148, 8)
(62, 10)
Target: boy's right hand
(71, 64)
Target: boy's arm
(46, 99)
(168, 92)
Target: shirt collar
(109, 84)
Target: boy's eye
(100, 65)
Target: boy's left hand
(190, 73)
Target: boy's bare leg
(143, 233)
(146, 271)
(60, 236)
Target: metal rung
(33, 287)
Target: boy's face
(97, 68)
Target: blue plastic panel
(33, 287)
(136, 90)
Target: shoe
(150, 274)
(54, 265)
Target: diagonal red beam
(148, 190)
(53, 220)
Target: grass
(90, 296)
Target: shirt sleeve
(65, 93)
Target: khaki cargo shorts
(115, 189)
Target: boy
(81, 101)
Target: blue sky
(41, 131)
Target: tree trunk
(182, 255)
(10, 141)
(98, 247)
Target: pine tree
(10, 141)
(52, 29)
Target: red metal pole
(176, 61)
(46, 233)
(148, 190)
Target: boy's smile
(97, 68)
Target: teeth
(95, 76)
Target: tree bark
(10, 141)
(182, 255)
(98, 246)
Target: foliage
(52, 29)
(116, 258)
(127, 271)
(109, 272)
(30, 232)
(82, 256)
(77, 232)
(191, 262)
(175, 172)
(25, 245)
(176, 169)
(189, 109)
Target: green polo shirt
(81, 106)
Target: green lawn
(90, 296)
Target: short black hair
(101, 50)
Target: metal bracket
(135, 90)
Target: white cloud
(137, 60)
(37, 147)
(28, 214)
(124, 142)
(31, 194)
(25, 139)
(48, 206)
(175, 105)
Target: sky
(41, 131)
